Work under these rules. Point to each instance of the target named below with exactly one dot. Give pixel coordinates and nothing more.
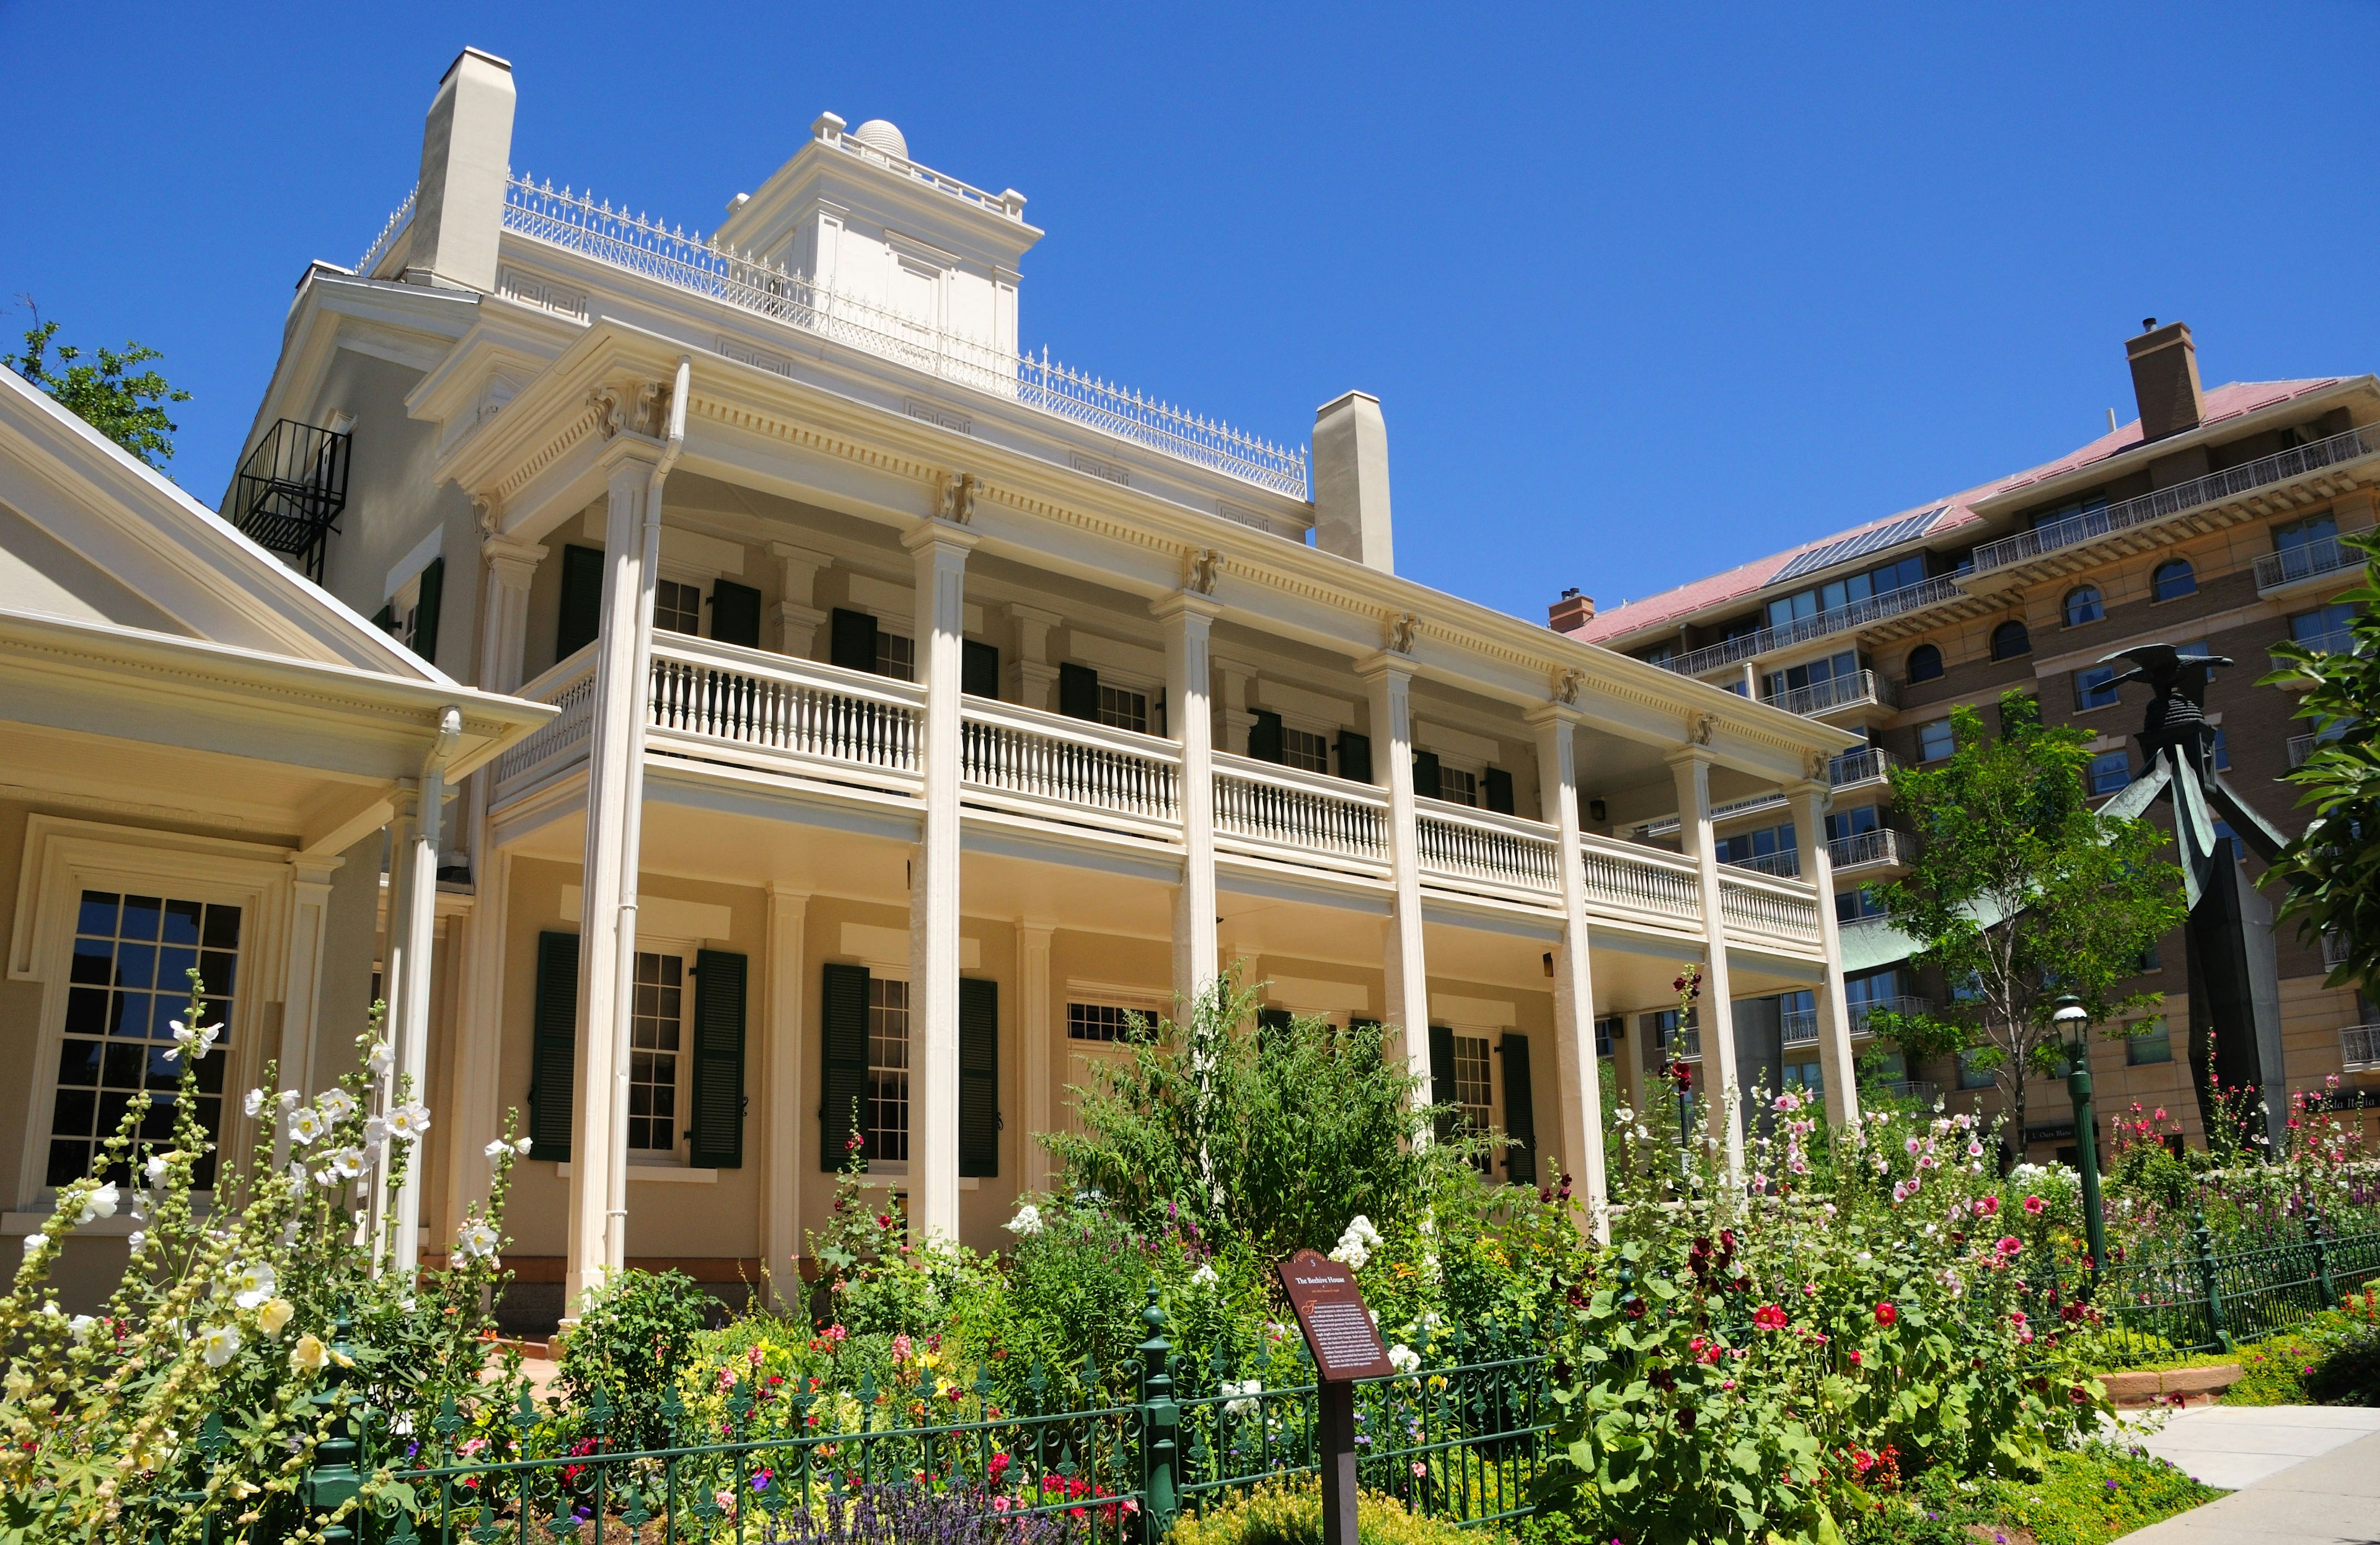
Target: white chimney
(1351, 480)
(467, 146)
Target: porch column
(1034, 679)
(1836, 1065)
(301, 982)
(1387, 678)
(1582, 1081)
(1189, 619)
(1691, 765)
(786, 973)
(607, 922)
(412, 926)
(1038, 1038)
(799, 617)
(940, 549)
(475, 1118)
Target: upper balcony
(2304, 567)
(2243, 481)
(1861, 692)
(1852, 770)
(842, 732)
(2359, 1048)
(1801, 630)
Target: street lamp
(2072, 1023)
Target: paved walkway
(2299, 1475)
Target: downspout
(625, 967)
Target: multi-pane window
(1104, 1022)
(2174, 579)
(1457, 786)
(654, 1037)
(2083, 605)
(129, 982)
(895, 656)
(1935, 740)
(2111, 771)
(1808, 1076)
(1925, 663)
(404, 612)
(1811, 673)
(1835, 594)
(1120, 708)
(1304, 748)
(2304, 531)
(2149, 1044)
(1857, 906)
(1973, 1074)
(2325, 630)
(1855, 821)
(888, 1068)
(1775, 844)
(1475, 1086)
(1607, 1033)
(2095, 686)
(678, 608)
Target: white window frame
(62, 859)
(685, 579)
(680, 1149)
(897, 1169)
(1077, 1057)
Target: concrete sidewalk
(2299, 1475)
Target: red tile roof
(2223, 401)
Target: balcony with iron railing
(2359, 1048)
(2166, 502)
(290, 490)
(1877, 849)
(1856, 690)
(1799, 1027)
(1820, 625)
(2280, 572)
(1851, 770)
(657, 252)
(1921, 1092)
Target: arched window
(1924, 662)
(2009, 640)
(2083, 605)
(2174, 578)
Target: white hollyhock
(273, 1315)
(337, 1105)
(219, 1344)
(251, 1284)
(409, 1122)
(101, 1203)
(523, 1145)
(479, 1240)
(1404, 1358)
(497, 1150)
(380, 1059)
(347, 1162)
(194, 1039)
(81, 1327)
(1027, 1223)
(1241, 1395)
(307, 1126)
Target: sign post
(1346, 1346)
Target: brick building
(2213, 518)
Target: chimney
(2165, 379)
(1572, 613)
(467, 149)
(1351, 480)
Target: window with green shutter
(429, 590)
(1078, 692)
(582, 601)
(1520, 1112)
(735, 613)
(1354, 756)
(719, 1009)
(1264, 737)
(978, 669)
(1497, 791)
(980, 1120)
(554, 1046)
(851, 641)
(1425, 774)
(1442, 1078)
(842, 1020)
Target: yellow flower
(275, 1315)
(309, 1355)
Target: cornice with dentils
(547, 419)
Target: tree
(122, 407)
(2020, 892)
(2330, 875)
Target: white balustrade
(1459, 843)
(569, 687)
(1626, 877)
(1756, 903)
(1284, 811)
(1030, 760)
(723, 696)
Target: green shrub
(2085, 1496)
(634, 1333)
(2331, 1358)
(1277, 1513)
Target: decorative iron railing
(2310, 560)
(397, 221)
(2166, 503)
(2359, 1047)
(1820, 625)
(1863, 848)
(290, 492)
(1843, 691)
(632, 243)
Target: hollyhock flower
(337, 1105)
(195, 1039)
(2008, 1245)
(219, 1344)
(409, 1122)
(1886, 1312)
(1769, 1317)
(306, 1125)
(1027, 1221)
(479, 1239)
(381, 1058)
(251, 1284)
(101, 1203)
(275, 1315)
(252, 1104)
(2034, 1205)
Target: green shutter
(1354, 756)
(554, 1046)
(1498, 791)
(978, 669)
(1264, 737)
(719, 995)
(385, 618)
(843, 1019)
(1078, 692)
(582, 601)
(851, 641)
(425, 611)
(1520, 1112)
(1425, 765)
(1441, 1075)
(735, 613)
(978, 1077)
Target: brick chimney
(1572, 613)
(2165, 379)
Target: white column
(1717, 1011)
(1834, 1062)
(1581, 1081)
(941, 550)
(797, 613)
(786, 973)
(475, 1117)
(301, 982)
(413, 918)
(1038, 1036)
(1387, 678)
(1189, 619)
(608, 915)
(1035, 680)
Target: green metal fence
(2196, 1299)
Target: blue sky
(1643, 293)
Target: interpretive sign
(1339, 1329)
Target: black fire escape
(291, 490)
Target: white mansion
(920, 708)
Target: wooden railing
(721, 696)
(1027, 760)
(569, 687)
(1284, 812)
(1458, 842)
(1756, 903)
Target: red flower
(1768, 1317)
(2034, 1205)
(2010, 1244)
(1886, 1312)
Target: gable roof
(2230, 401)
(181, 567)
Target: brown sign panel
(1339, 1329)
